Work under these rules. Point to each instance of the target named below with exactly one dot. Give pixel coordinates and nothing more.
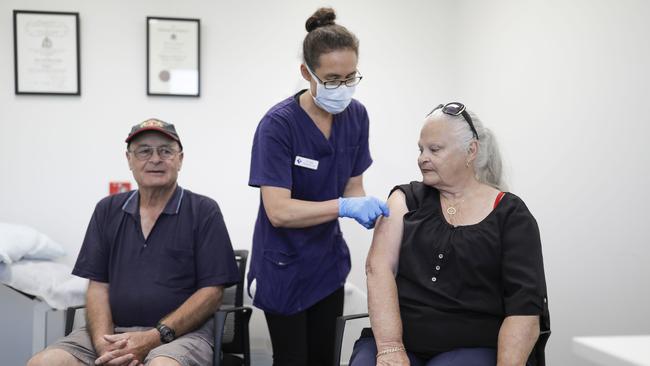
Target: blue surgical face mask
(333, 101)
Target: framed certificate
(46, 52)
(173, 54)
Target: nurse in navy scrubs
(308, 158)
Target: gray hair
(488, 167)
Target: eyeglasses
(333, 84)
(143, 153)
(456, 109)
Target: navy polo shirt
(188, 248)
(295, 268)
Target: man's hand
(135, 347)
(102, 346)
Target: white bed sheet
(50, 281)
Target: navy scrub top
(295, 268)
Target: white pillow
(18, 241)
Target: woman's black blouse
(457, 284)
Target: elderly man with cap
(157, 259)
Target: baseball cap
(153, 124)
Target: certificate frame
(47, 60)
(173, 57)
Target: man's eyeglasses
(456, 109)
(333, 84)
(146, 152)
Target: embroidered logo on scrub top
(306, 163)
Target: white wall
(565, 86)
(562, 83)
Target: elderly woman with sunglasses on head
(455, 274)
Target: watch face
(166, 333)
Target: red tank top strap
(498, 199)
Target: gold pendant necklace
(451, 208)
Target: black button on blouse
(457, 284)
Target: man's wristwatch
(167, 334)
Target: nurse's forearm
(286, 212)
(298, 214)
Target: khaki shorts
(191, 349)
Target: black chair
(536, 356)
(232, 342)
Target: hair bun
(321, 18)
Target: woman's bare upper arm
(387, 238)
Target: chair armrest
(545, 333)
(543, 338)
(340, 330)
(69, 317)
(539, 347)
(345, 318)
(219, 324)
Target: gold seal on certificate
(164, 76)
(173, 56)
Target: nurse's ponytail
(325, 36)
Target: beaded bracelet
(391, 350)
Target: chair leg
(219, 323)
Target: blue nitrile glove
(363, 209)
